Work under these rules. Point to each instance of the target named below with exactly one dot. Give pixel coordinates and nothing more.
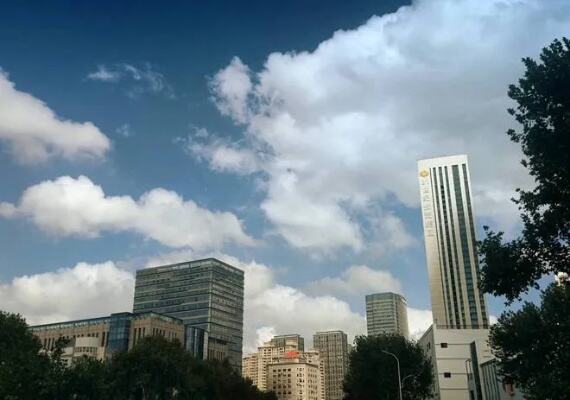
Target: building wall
(332, 347)
(250, 368)
(493, 387)
(100, 331)
(386, 313)
(294, 379)
(450, 242)
(456, 356)
(206, 294)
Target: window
(444, 345)
(447, 374)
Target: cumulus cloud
(357, 280)
(85, 290)
(78, 207)
(140, 80)
(343, 125)
(419, 321)
(33, 133)
(221, 155)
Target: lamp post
(398, 364)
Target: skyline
(313, 195)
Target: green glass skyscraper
(205, 294)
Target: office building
(386, 313)
(450, 242)
(100, 337)
(205, 294)
(332, 347)
(457, 356)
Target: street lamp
(398, 364)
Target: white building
(457, 355)
(386, 313)
(450, 242)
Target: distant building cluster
(200, 303)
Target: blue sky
(281, 137)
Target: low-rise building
(494, 387)
(99, 337)
(457, 355)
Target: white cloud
(33, 133)
(357, 280)
(141, 80)
(78, 207)
(419, 321)
(231, 87)
(220, 154)
(343, 125)
(86, 290)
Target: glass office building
(205, 294)
(449, 233)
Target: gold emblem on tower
(424, 173)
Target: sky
(282, 138)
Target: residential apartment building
(205, 294)
(450, 242)
(295, 378)
(249, 368)
(332, 347)
(99, 337)
(386, 313)
(271, 352)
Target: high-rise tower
(386, 313)
(449, 233)
(332, 347)
(207, 295)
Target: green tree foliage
(533, 345)
(543, 112)
(373, 374)
(154, 369)
(23, 369)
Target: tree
(543, 112)
(533, 345)
(22, 367)
(373, 374)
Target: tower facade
(332, 347)
(386, 313)
(450, 242)
(206, 295)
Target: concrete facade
(99, 337)
(386, 313)
(295, 378)
(457, 355)
(450, 243)
(332, 347)
(494, 387)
